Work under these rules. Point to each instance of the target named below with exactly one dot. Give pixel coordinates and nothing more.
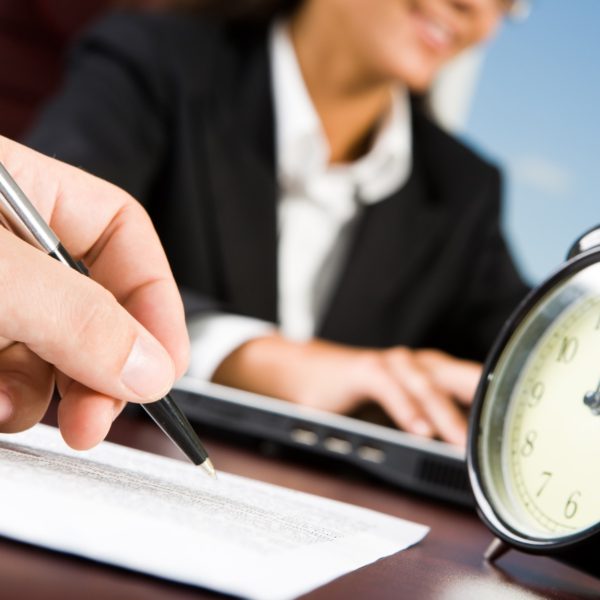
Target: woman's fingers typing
(404, 382)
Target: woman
(327, 228)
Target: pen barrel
(22, 217)
(170, 418)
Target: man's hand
(419, 389)
(119, 338)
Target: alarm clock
(534, 435)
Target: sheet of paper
(167, 518)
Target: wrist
(264, 365)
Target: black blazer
(178, 111)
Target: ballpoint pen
(25, 221)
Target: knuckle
(29, 401)
(427, 354)
(404, 365)
(23, 419)
(433, 358)
(369, 363)
(133, 207)
(423, 387)
(400, 359)
(134, 212)
(403, 351)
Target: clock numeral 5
(568, 349)
(571, 506)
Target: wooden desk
(446, 566)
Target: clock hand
(592, 400)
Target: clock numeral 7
(568, 349)
(571, 506)
(527, 447)
(547, 477)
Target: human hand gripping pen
(25, 221)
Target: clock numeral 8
(527, 447)
(571, 506)
(568, 350)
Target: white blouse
(316, 211)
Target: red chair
(34, 35)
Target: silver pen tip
(209, 468)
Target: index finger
(454, 375)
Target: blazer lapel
(384, 260)
(240, 150)
(394, 241)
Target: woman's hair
(238, 10)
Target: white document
(167, 518)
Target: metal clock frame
(580, 549)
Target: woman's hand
(118, 338)
(421, 390)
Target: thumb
(75, 324)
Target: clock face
(540, 426)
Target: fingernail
(149, 371)
(117, 409)
(422, 428)
(6, 407)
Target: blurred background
(541, 77)
(529, 101)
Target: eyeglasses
(517, 10)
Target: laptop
(413, 463)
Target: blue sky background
(536, 111)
